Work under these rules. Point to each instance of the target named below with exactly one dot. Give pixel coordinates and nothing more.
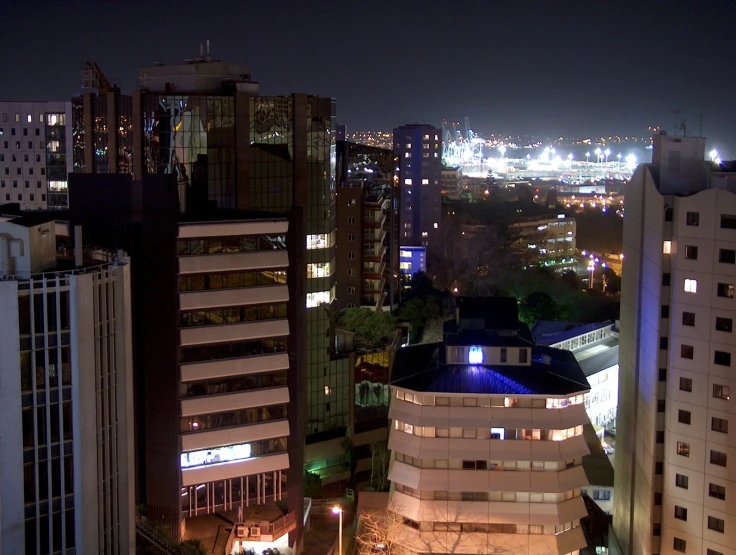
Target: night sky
(546, 67)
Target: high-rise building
(35, 153)
(220, 354)
(367, 227)
(674, 453)
(487, 439)
(66, 390)
(419, 149)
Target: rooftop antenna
(208, 50)
(676, 127)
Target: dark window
(665, 312)
(712, 552)
(688, 318)
(726, 290)
(660, 437)
(727, 256)
(728, 221)
(719, 492)
(662, 374)
(657, 499)
(719, 425)
(679, 545)
(683, 416)
(662, 342)
(681, 481)
(659, 468)
(523, 353)
(503, 354)
(724, 324)
(686, 384)
(668, 214)
(718, 458)
(660, 406)
(684, 449)
(656, 529)
(691, 252)
(715, 524)
(680, 513)
(722, 358)
(721, 392)
(687, 351)
(665, 279)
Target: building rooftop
(552, 372)
(549, 333)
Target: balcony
(260, 530)
(244, 331)
(193, 300)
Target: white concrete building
(66, 392)
(487, 439)
(675, 454)
(35, 153)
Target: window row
(490, 433)
(537, 529)
(714, 523)
(233, 453)
(231, 315)
(14, 157)
(716, 457)
(216, 386)
(728, 221)
(41, 145)
(232, 280)
(688, 319)
(719, 391)
(716, 424)
(29, 118)
(721, 358)
(714, 490)
(488, 401)
(487, 496)
(203, 353)
(227, 419)
(36, 131)
(218, 245)
(457, 464)
(725, 256)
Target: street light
(502, 150)
(598, 152)
(607, 152)
(569, 160)
(591, 269)
(587, 155)
(619, 159)
(713, 155)
(337, 510)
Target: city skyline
(565, 68)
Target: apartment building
(675, 457)
(67, 480)
(545, 240)
(35, 153)
(487, 439)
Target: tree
(370, 325)
(418, 311)
(192, 546)
(538, 306)
(433, 331)
(312, 484)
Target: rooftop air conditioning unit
(241, 531)
(255, 531)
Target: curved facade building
(487, 439)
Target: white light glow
(475, 355)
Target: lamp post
(338, 511)
(598, 153)
(607, 152)
(619, 159)
(587, 156)
(591, 269)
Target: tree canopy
(373, 326)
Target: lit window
(667, 248)
(327, 390)
(436, 225)
(691, 286)
(405, 254)
(218, 455)
(425, 181)
(407, 181)
(319, 241)
(475, 355)
(408, 145)
(318, 270)
(315, 299)
(407, 155)
(29, 118)
(404, 265)
(425, 233)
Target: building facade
(487, 439)
(35, 153)
(419, 149)
(545, 241)
(367, 227)
(412, 260)
(674, 451)
(67, 480)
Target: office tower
(420, 170)
(367, 227)
(220, 354)
(102, 125)
(66, 392)
(487, 439)
(204, 122)
(674, 452)
(35, 153)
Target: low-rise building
(487, 439)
